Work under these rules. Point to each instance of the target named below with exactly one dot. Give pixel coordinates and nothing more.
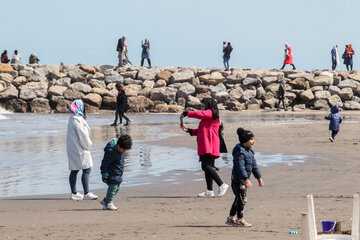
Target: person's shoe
(243, 223)
(110, 206)
(207, 193)
(331, 139)
(113, 125)
(231, 220)
(127, 123)
(103, 202)
(78, 196)
(222, 189)
(90, 196)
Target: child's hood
(238, 148)
(334, 109)
(112, 144)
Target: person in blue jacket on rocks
(244, 164)
(112, 168)
(335, 120)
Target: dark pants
(334, 66)
(290, 64)
(207, 165)
(226, 62)
(283, 102)
(240, 199)
(119, 115)
(334, 133)
(142, 61)
(347, 67)
(84, 180)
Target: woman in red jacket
(208, 143)
(288, 57)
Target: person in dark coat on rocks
(281, 95)
(120, 48)
(121, 105)
(33, 59)
(4, 57)
(227, 51)
(335, 120)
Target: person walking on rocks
(121, 105)
(120, 49)
(281, 95)
(4, 57)
(348, 57)
(288, 57)
(16, 59)
(227, 51)
(208, 143)
(334, 57)
(145, 54)
(335, 121)
(33, 59)
(244, 164)
(78, 145)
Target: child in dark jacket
(244, 165)
(112, 168)
(335, 120)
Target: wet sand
(168, 211)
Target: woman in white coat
(78, 146)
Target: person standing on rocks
(121, 105)
(227, 51)
(281, 95)
(208, 143)
(120, 49)
(4, 57)
(334, 57)
(288, 57)
(145, 52)
(348, 57)
(78, 145)
(33, 59)
(16, 59)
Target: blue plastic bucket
(328, 226)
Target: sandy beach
(167, 211)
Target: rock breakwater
(50, 88)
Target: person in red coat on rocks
(208, 143)
(288, 57)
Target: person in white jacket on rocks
(78, 145)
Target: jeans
(240, 199)
(142, 61)
(333, 66)
(111, 192)
(121, 61)
(84, 180)
(283, 102)
(226, 63)
(207, 165)
(119, 115)
(347, 67)
(334, 133)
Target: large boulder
(298, 83)
(6, 77)
(10, 92)
(274, 87)
(66, 82)
(334, 90)
(129, 74)
(321, 81)
(160, 83)
(270, 102)
(346, 94)
(202, 89)
(99, 76)
(348, 83)
(321, 104)
(307, 95)
(40, 105)
(193, 102)
(175, 108)
(248, 94)
(222, 97)
(148, 83)
(72, 95)
(251, 81)
(269, 80)
(307, 76)
(16, 105)
(56, 90)
(88, 69)
(100, 91)
(351, 105)
(132, 90)
(62, 106)
(77, 75)
(43, 71)
(185, 90)
(164, 75)
(94, 83)
(213, 78)
(182, 76)
(33, 90)
(253, 104)
(218, 88)
(147, 74)
(93, 99)
(140, 103)
(114, 78)
(355, 76)
(108, 102)
(236, 93)
(80, 87)
(165, 94)
(233, 79)
(19, 81)
(335, 100)
(234, 105)
(322, 95)
(129, 81)
(145, 92)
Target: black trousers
(240, 199)
(120, 115)
(207, 165)
(283, 102)
(334, 133)
(290, 64)
(142, 61)
(334, 66)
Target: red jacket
(288, 59)
(208, 141)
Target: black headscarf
(211, 103)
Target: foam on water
(3, 112)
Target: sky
(182, 33)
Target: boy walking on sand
(244, 165)
(112, 168)
(335, 120)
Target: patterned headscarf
(77, 108)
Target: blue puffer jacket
(335, 118)
(112, 165)
(244, 164)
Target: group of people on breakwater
(16, 58)
(123, 52)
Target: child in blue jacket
(244, 164)
(335, 120)
(112, 168)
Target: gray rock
(326, 73)
(182, 76)
(233, 79)
(346, 94)
(108, 102)
(101, 91)
(181, 102)
(6, 77)
(335, 100)
(202, 89)
(203, 71)
(160, 83)
(260, 92)
(113, 79)
(132, 89)
(236, 93)
(147, 74)
(270, 103)
(299, 107)
(66, 82)
(321, 104)
(14, 73)
(129, 81)
(99, 76)
(334, 90)
(93, 99)
(307, 76)
(193, 102)
(321, 81)
(165, 94)
(71, 95)
(94, 83)
(43, 71)
(185, 90)
(62, 106)
(175, 108)
(140, 103)
(351, 105)
(298, 83)
(40, 105)
(234, 105)
(36, 78)
(278, 75)
(129, 74)
(337, 80)
(251, 81)
(290, 96)
(103, 68)
(322, 95)
(10, 92)
(80, 87)
(273, 87)
(33, 90)
(307, 95)
(24, 67)
(247, 95)
(56, 75)
(253, 104)
(222, 97)
(348, 83)
(77, 75)
(317, 88)
(25, 73)
(56, 90)
(149, 83)
(145, 92)
(269, 80)
(19, 81)
(218, 88)
(16, 105)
